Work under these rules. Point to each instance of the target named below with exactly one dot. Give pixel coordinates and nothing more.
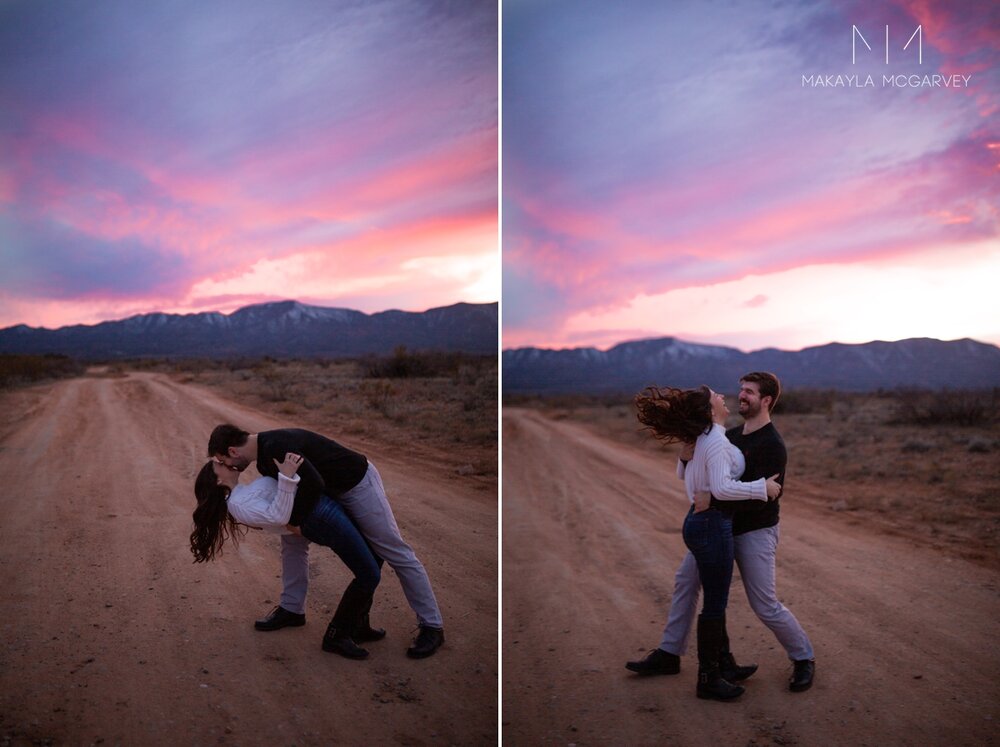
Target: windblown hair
(213, 524)
(224, 436)
(675, 414)
(767, 383)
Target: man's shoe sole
(421, 654)
(267, 627)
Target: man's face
(750, 403)
(233, 460)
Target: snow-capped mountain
(630, 366)
(281, 329)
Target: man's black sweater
(327, 468)
(765, 455)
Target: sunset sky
(668, 171)
(194, 156)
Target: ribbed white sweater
(715, 466)
(265, 502)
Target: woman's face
(225, 476)
(719, 410)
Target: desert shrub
(274, 386)
(18, 370)
(945, 407)
(916, 447)
(406, 364)
(194, 365)
(377, 395)
(980, 446)
(402, 364)
(806, 401)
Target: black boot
(802, 676)
(656, 661)
(711, 684)
(728, 667)
(337, 641)
(365, 633)
(345, 622)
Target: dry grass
(450, 408)
(938, 484)
(24, 370)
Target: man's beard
(749, 409)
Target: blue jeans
(329, 525)
(709, 537)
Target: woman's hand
(702, 501)
(773, 487)
(291, 464)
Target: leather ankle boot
(365, 633)
(728, 667)
(711, 684)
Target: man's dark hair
(223, 437)
(767, 383)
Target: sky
(187, 156)
(695, 169)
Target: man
(349, 478)
(755, 536)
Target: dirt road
(113, 636)
(906, 639)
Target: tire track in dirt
(113, 634)
(906, 638)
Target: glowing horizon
(199, 158)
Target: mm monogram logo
(918, 34)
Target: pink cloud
(946, 196)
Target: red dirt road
(113, 636)
(906, 639)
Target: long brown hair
(213, 524)
(675, 414)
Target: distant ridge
(630, 366)
(279, 329)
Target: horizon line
(731, 347)
(247, 306)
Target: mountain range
(631, 366)
(280, 329)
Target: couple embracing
(734, 481)
(312, 490)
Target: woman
(266, 502)
(698, 416)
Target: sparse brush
(948, 407)
(807, 401)
(464, 368)
(18, 370)
(378, 395)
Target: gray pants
(755, 552)
(368, 507)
